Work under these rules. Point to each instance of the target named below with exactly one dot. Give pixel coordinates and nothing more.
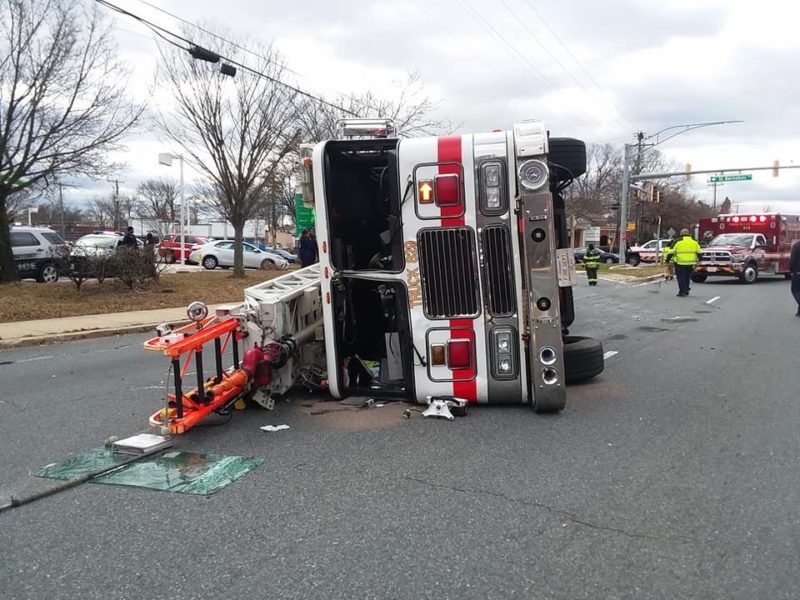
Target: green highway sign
(303, 217)
(721, 178)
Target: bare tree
(63, 97)
(158, 201)
(101, 212)
(234, 131)
(410, 110)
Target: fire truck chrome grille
(496, 242)
(448, 270)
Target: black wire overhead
(201, 53)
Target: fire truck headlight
(503, 341)
(492, 197)
(492, 188)
(503, 349)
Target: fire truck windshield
(732, 239)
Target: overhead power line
(542, 46)
(199, 52)
(508, 44)
(217, 36)
(573, 57)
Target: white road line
(609, 354)
(714, 299)
(33, 359)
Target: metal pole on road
(623, 202)
(183, 210)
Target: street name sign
(721, 178)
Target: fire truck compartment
(373, 342)
(363, 203)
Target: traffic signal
(655, 193)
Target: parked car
(98, 244)
(292, 258)
(170, 247)
(35, 251)
(605, 257)
(648, 252)
(220, 254)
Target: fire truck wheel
(698, 277)
(750, 273)
(567, 158)
(583, 358)
(169, 257)
(634, 260)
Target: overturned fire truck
(445, 274)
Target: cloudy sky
(600, 71)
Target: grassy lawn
(641, 272)
(30, 300)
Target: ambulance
(444, 265)
(746, 246)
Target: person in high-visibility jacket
(666, 260)
(591, 261)
(684, 254)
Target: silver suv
(36, 251)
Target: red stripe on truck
(449, 151)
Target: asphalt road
(675, 474)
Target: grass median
(627, 271)
(29, 300)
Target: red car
(170, 247)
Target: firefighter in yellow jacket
(591, 261)
(684, 254)
(666, 259)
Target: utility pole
(715, 185)
(61, 210)
(116, 183)
(642, 141)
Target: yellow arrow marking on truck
(425, 191)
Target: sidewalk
(32, 333)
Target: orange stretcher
(184, 411)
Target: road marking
(714, 299)
(609, 354)
(33, 359)
(658, 280)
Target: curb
(84, 334)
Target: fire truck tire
(750, 273)
(583, 358)
(567, 158)
(634, 260)
(698, 277)
(169, 257)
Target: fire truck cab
(746, 246)
(444, 264)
